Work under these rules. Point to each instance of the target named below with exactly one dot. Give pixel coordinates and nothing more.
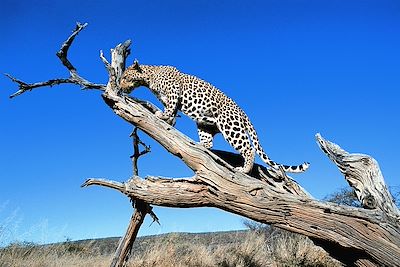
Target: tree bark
(362, 172)
(126, 242)
(353, 234)
(368, 236)
(141, 209)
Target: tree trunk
(126, 242)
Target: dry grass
(250, 249)
(23, 255)
(290, 249)
(171, 252)
(256, 249)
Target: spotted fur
(212, 110)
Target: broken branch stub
(117, 66)
(363, 174)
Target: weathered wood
(125, 244)
(277, 179)
(362, 172)
(354, 233)
(136, 151)
(141, 208)
(354, 236)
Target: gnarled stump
(362, 172)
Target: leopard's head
(132, 78)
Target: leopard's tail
(259, 150)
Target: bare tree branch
(136, 151)
(74, 76)
(167, 188)
(63, 52)
(346, 230)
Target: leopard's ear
(136, 66)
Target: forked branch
(136, 151)
(74, 78)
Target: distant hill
(107, 246)
(251, 248)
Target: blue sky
(296, 67)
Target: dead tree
(367, 236)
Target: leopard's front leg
(171, 106)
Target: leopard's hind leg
(206, 134)
(233, 130)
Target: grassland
(252, 248)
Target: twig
(74, 78)
(107, 64)
(136, 151)
(153, 216)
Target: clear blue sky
(295, 67)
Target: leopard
(212, 110)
